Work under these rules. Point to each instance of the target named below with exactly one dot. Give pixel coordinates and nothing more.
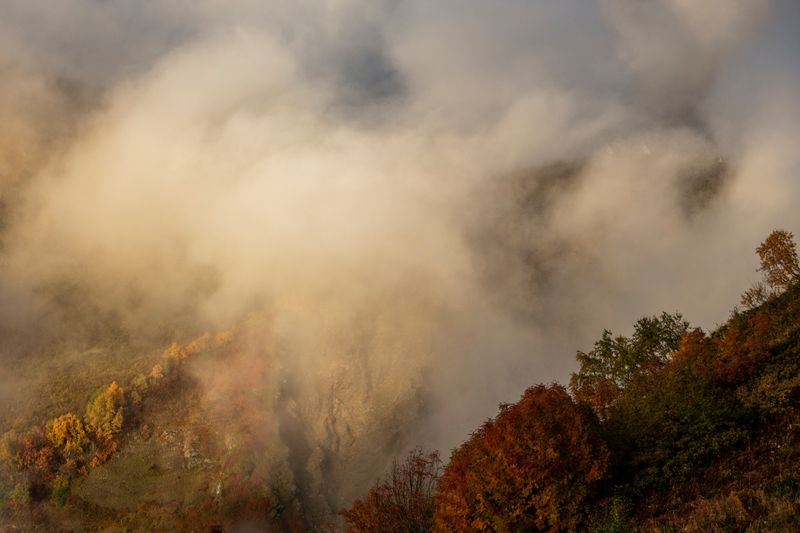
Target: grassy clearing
(45, 387)
(145, 471)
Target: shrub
(19, 497)
(60, 489)
(10, 446)
(402, 501)
(612, 515)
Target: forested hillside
(669, 429)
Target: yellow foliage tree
(175, 351)
(105, 414)
(67, 432)
(198, 345)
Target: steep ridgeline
(670, 429)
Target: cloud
(436, 204)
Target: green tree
(616, 361)
(668, 423)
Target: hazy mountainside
(319, 437)
(669, 429)
(364, 224)
(217, 431)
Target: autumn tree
(67, 433)
(743, 347)
(175, 351)
(105, 415)
(667, 423)
(402, 501)
(529, 469)
(779, 265)
(38, 459)
(615, 361)
(105, 412)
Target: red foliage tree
(402, 501)
(531, 468)
(743, 348)
(38, 459)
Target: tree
(779, 260)
(531, 468)
(615, 361)
(402, 501)
(743, 347)
(105, 415)
(38, 459)
(105, 412)
(667, 423)
(780, 266)
(67, 433)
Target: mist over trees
(387, 205)
(644, 422)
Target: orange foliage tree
(531, 468)
(743, 347)
(402, 501)
(780, 266)
(779, 259)
(697, 351)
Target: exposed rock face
(343, 421)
